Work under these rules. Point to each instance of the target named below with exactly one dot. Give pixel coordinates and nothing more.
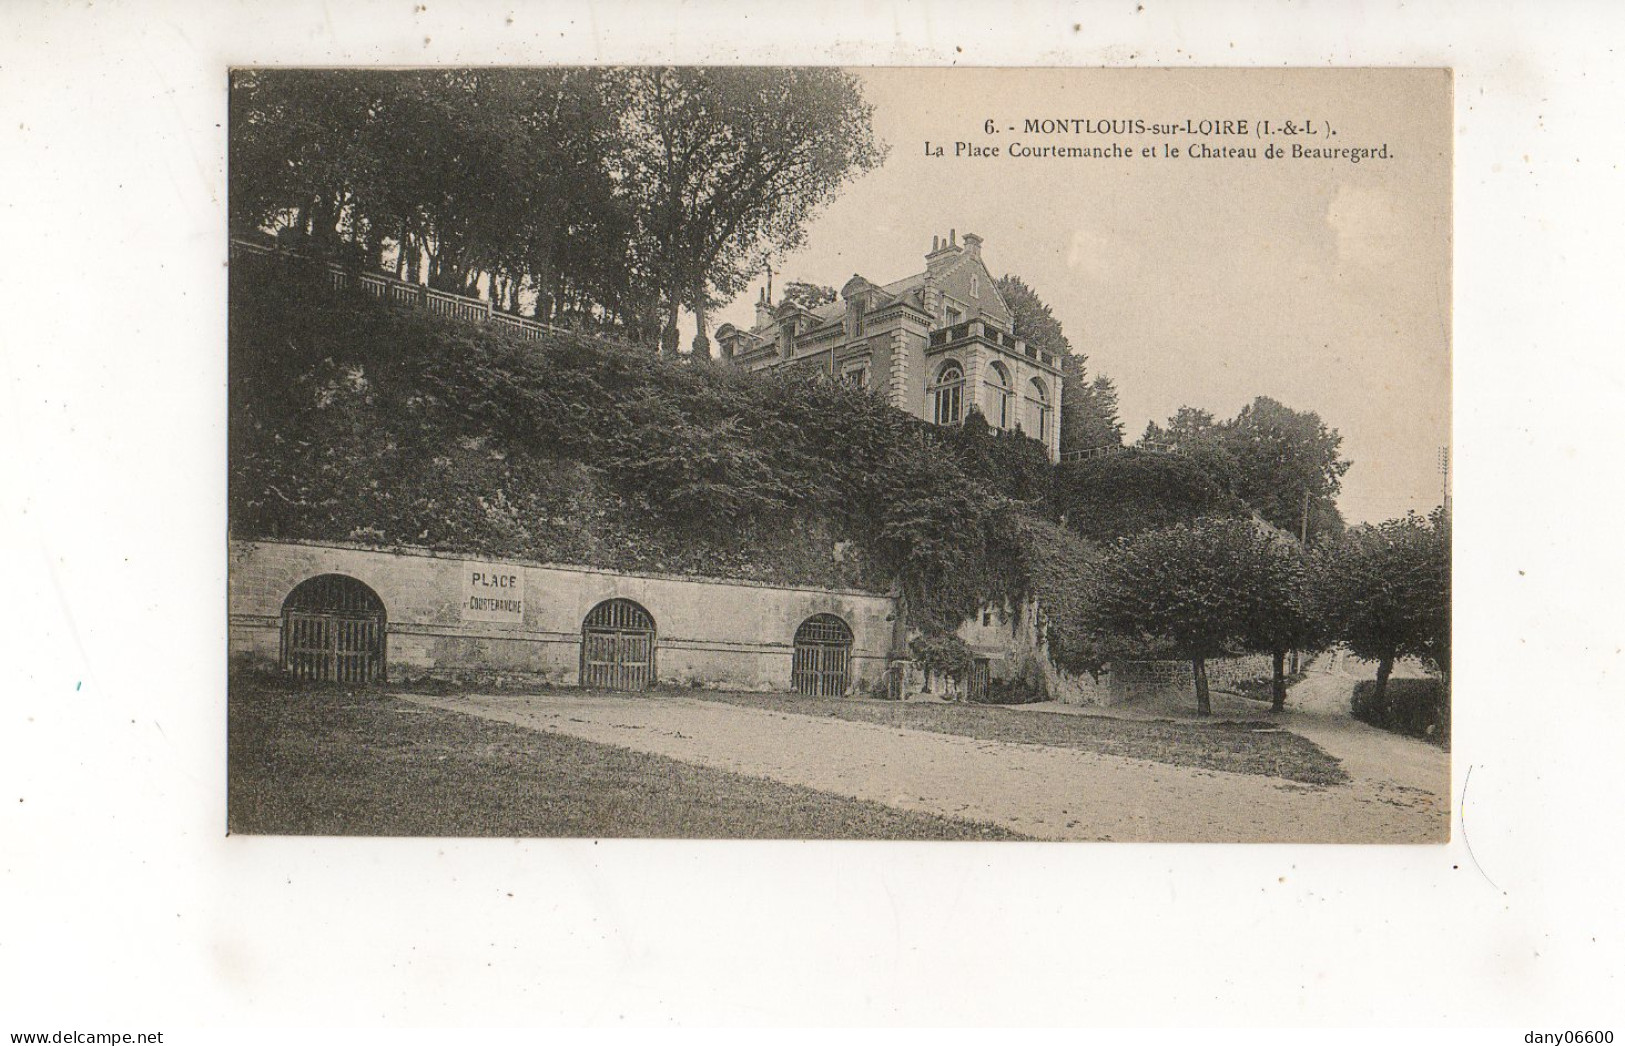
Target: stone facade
(933, 344)
(721, 634)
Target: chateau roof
(910, 289)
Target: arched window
(618, 646)
(1038, 410)
(333, 631)
(948, 394)
(1000, 411)
(823, 657)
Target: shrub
(1121, 495)
(1413, 707)
(1024, 689)
(942, 653)
(353, 420)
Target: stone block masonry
(448, 616)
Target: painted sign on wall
(492, 592)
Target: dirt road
(1390, 767)
(1038, 790)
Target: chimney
(764, 311)
(973, 245)
(951, 236)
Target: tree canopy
(1199, 589)
(808, 295)
(1089, 413)
(1386, 590)
(1281, 608)
(605, 198)
(1035, 321)
(1120, 495)
(1273, 457)
(726, 164)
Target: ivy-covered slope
(356, 421)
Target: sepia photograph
(800, 452)
(698, 516)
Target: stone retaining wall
(450, 616)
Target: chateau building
(933, 344)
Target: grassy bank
(1236, 747)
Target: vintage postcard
(814, 453)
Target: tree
(1093, 421)
(1089, 414)
(1188, 426)
(1009, 463)
(1284, 460)
(1034, 321)
(808, 295)
(1276, 459)
(494, 179)
(1190, 587)
(1280, 608)
(1387, 592)
(723, 165)
(1121, 495)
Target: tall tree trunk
(1199, 673)
(1385, 668)
(702, 344)
(542, 277)
(1278, 687)
(669, 337)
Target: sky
(1197, 281)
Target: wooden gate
(976, 681)
(333, 631)
(823, 657)
(618, 647)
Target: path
(1038, 790)
(1399, 770)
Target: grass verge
(1237, 747)
(336, 761)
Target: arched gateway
(823, 657)
(333, 631)
(618, 647)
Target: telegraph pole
(1444, 479)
